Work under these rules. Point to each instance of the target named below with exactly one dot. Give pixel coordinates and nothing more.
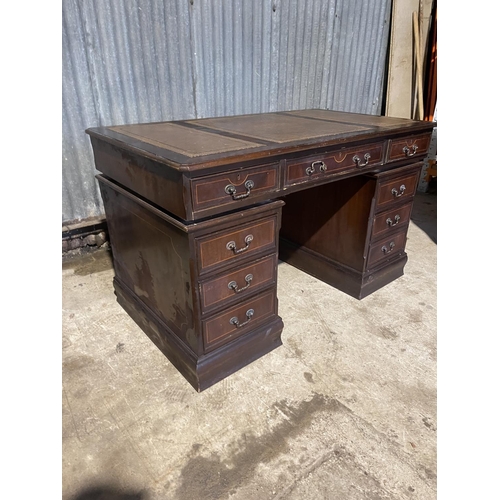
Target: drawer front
(231, 245)
(396, 190)
(238, 320)
(228, 188)
(387, 249)
(238, 284)
(322, 166)
(408, 147)
(391, 220)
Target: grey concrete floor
(345, 409)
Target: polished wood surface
(199, 210)
(188, 167)
(174, 280)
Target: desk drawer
(234, 244)
(315, 168)
(391, 220)
(408, 147)
(238, 320)
(238, 284)
(387, 248)
(396, 189)
(231, 187)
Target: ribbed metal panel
(129, 61)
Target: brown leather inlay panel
(278, 128)
(184, 140)
(339, 116)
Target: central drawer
(315, 168)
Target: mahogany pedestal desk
(196, 209)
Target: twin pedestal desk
(199, 211)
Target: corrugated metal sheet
(129, 61)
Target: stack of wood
(412, 72)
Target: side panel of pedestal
(159, 270)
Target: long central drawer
(323, 166)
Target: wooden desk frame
(200, 211)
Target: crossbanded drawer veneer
(198, 212)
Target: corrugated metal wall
(130, 61)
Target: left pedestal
(204, 292)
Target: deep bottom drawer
(238, 320)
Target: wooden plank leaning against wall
(402, 81)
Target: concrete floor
(345, 409)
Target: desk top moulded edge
(249, 147)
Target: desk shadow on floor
(424, 213)
(109, 493)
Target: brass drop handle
(399, 193)
(231, 245)
(390, 249)
(312, 168)
(406, 150)
(390, 223)
(230, 189)
(234, 320)
(232, 285)
(357, 160)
